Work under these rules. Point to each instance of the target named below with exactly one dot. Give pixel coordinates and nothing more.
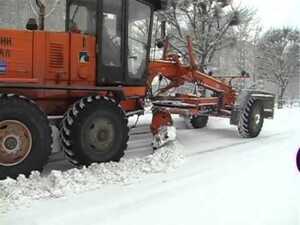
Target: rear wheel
(199, 122)
(252, 119)
(94, 130)
(25, 137)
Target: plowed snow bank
(20, 192)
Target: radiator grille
(56, 56)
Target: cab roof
(158, 4)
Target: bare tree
(207, 22)
(279, 58)
(247, 35)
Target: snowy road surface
(223, 180)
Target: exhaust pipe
(42, 11)
(163, 30)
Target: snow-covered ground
(209, 176)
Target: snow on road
(224, 180)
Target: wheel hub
(15, 142)
(11, 143)
(100, 135)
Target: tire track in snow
(221, 148)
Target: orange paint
(55, 59)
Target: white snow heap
(23, 191)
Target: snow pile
(22, 191)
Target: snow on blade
(165, 135)
(22, 191)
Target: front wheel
(252, 119)
(199, 122)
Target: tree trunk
(202, 62)
(280, 97)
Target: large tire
(94, 130)
(199, 122)
(252, 119)
(25, 136)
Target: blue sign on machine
(3, 67)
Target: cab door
(111, 31)
(139, 41)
